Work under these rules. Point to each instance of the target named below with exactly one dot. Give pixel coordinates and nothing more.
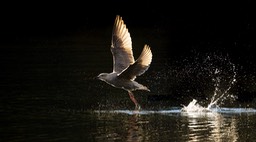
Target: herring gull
(125, 68)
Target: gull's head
(102, 76)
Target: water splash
(193, 106)
(223, 80)
(218, 95)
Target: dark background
(212, 26)
(189, 21)
(226, 26)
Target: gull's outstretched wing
(121, 46)
(140, 65)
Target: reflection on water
(172, 126)
(211, 127)
(129, 128)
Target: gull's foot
(137, 107)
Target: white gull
(125, 68)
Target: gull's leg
(137, 106)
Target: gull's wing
(140, 66)
(121, 46)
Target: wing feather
(140, 66)
(121, 46)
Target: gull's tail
(142, 87)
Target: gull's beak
(97, 77)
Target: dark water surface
(49, 93)
(74, 125)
